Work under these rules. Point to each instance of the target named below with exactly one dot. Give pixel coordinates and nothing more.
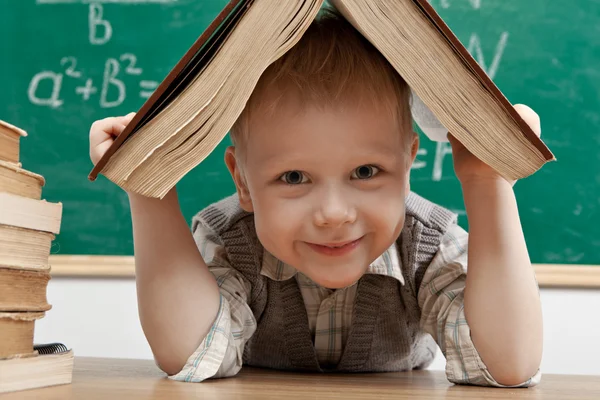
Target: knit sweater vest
(385, 334)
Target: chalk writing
(111, 70)
(418, 164)
(442, 150)
(148, 88)
(95, 19)
(70, 71)
(476, 4)
(113, 90)
(87, 90)
(132, 59)
(52, 100)
(477, 53)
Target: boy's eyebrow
(383, 152)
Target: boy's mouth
(335, 249)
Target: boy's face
(327, 188)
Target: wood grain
(99, 379)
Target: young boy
(324, 260)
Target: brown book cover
(22, 290)
(16, 333)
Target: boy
(324, 260)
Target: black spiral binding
(50, 348)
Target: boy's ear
(239, 179)
(414, 148)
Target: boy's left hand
(469, 168)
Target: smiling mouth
(335, 249)
(337, 245)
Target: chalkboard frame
(67, 266)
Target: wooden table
(100, 378)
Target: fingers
(103, 132)
(108, 128)
(127, 118)
(99, 151)
(530, 117)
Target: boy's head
(322, 154)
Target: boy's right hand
(103, 133)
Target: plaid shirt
(440, 298)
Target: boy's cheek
(388, 202)
(386, 215)
(274, 227)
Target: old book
(23, 290)
(10, 136)
(41, 370)
(23, 212)
(18, 181)
(16, 333)
(24, 248)
(197, 103)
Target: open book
(198, 102)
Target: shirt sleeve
(441, 299)
(220, 353)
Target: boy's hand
(469, 168)
(103, 133)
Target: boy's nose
(334, 209)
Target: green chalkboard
(66, 63)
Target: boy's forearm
(178, 298)
(502, 304)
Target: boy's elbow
(170, 365)
(514, 363)
(514, 373)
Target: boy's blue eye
(365, 172)
(293, 178)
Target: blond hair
(332, 64)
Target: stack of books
(27, 227)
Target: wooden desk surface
(100, 378)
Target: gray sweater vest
(385, 334)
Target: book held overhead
(200, 99)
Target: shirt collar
(387, 264)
